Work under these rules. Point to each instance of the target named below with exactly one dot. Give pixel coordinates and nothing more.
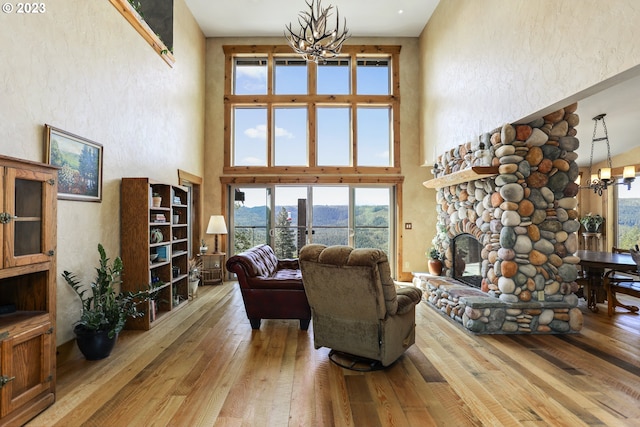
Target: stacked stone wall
(525, 217)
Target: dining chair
(627, 283)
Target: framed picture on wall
(80, 162)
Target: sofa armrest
(289, 264)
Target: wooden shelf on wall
(465, 175)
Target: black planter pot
(94, 345)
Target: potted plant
(104, 310)
(591, 222)
(435, 261)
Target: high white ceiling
(267, 18)
(382, 18)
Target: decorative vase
(156, 201)
(193, 288)
(204, 249)
(592, 228)
(94, 345)
(435, 267)
(156, 235)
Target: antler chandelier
(600, 181)
(315, 42)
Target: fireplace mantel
(465, 175)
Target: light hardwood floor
(204, 366)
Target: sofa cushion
(281, 279)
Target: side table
(212, 270)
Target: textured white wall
(81, 67)
(493, 62)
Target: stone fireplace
(509, 232)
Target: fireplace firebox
(467, 260)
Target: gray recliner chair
(356, 308)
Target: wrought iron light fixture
(600, 181)
(315, 41)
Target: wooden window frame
(312, 100)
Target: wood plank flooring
(204, 366)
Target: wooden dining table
(595, 264)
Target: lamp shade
(217, 225)
(629, 172)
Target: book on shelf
(158, 218)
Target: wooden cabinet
(28, 197)
(155, 246)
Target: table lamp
(216, 226)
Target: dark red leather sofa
(271, 287)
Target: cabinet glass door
(28, 206)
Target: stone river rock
(508, 134)
(537, 257)
(505, 150)
(537, 138)
(550, 152)
(569, 143)
(537, 180)
(568, 203)
(522, 245)
(510, 218)
(507, 237)
(534, 156)
(544, 246)
(568, 272)
(558, 181)
(512, 193)
(575, 319)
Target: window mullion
(312, 114)
(270, 136)
(353, 64)
(354, 134)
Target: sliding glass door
(353, 215)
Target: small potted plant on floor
(104, 309)
(435, 261)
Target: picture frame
(80, 163)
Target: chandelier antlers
(315, 42)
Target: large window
(628, 220)
(290, 116)
(314, 149)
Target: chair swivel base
(354, 363)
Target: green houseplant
(591, 222)
(104, 310)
